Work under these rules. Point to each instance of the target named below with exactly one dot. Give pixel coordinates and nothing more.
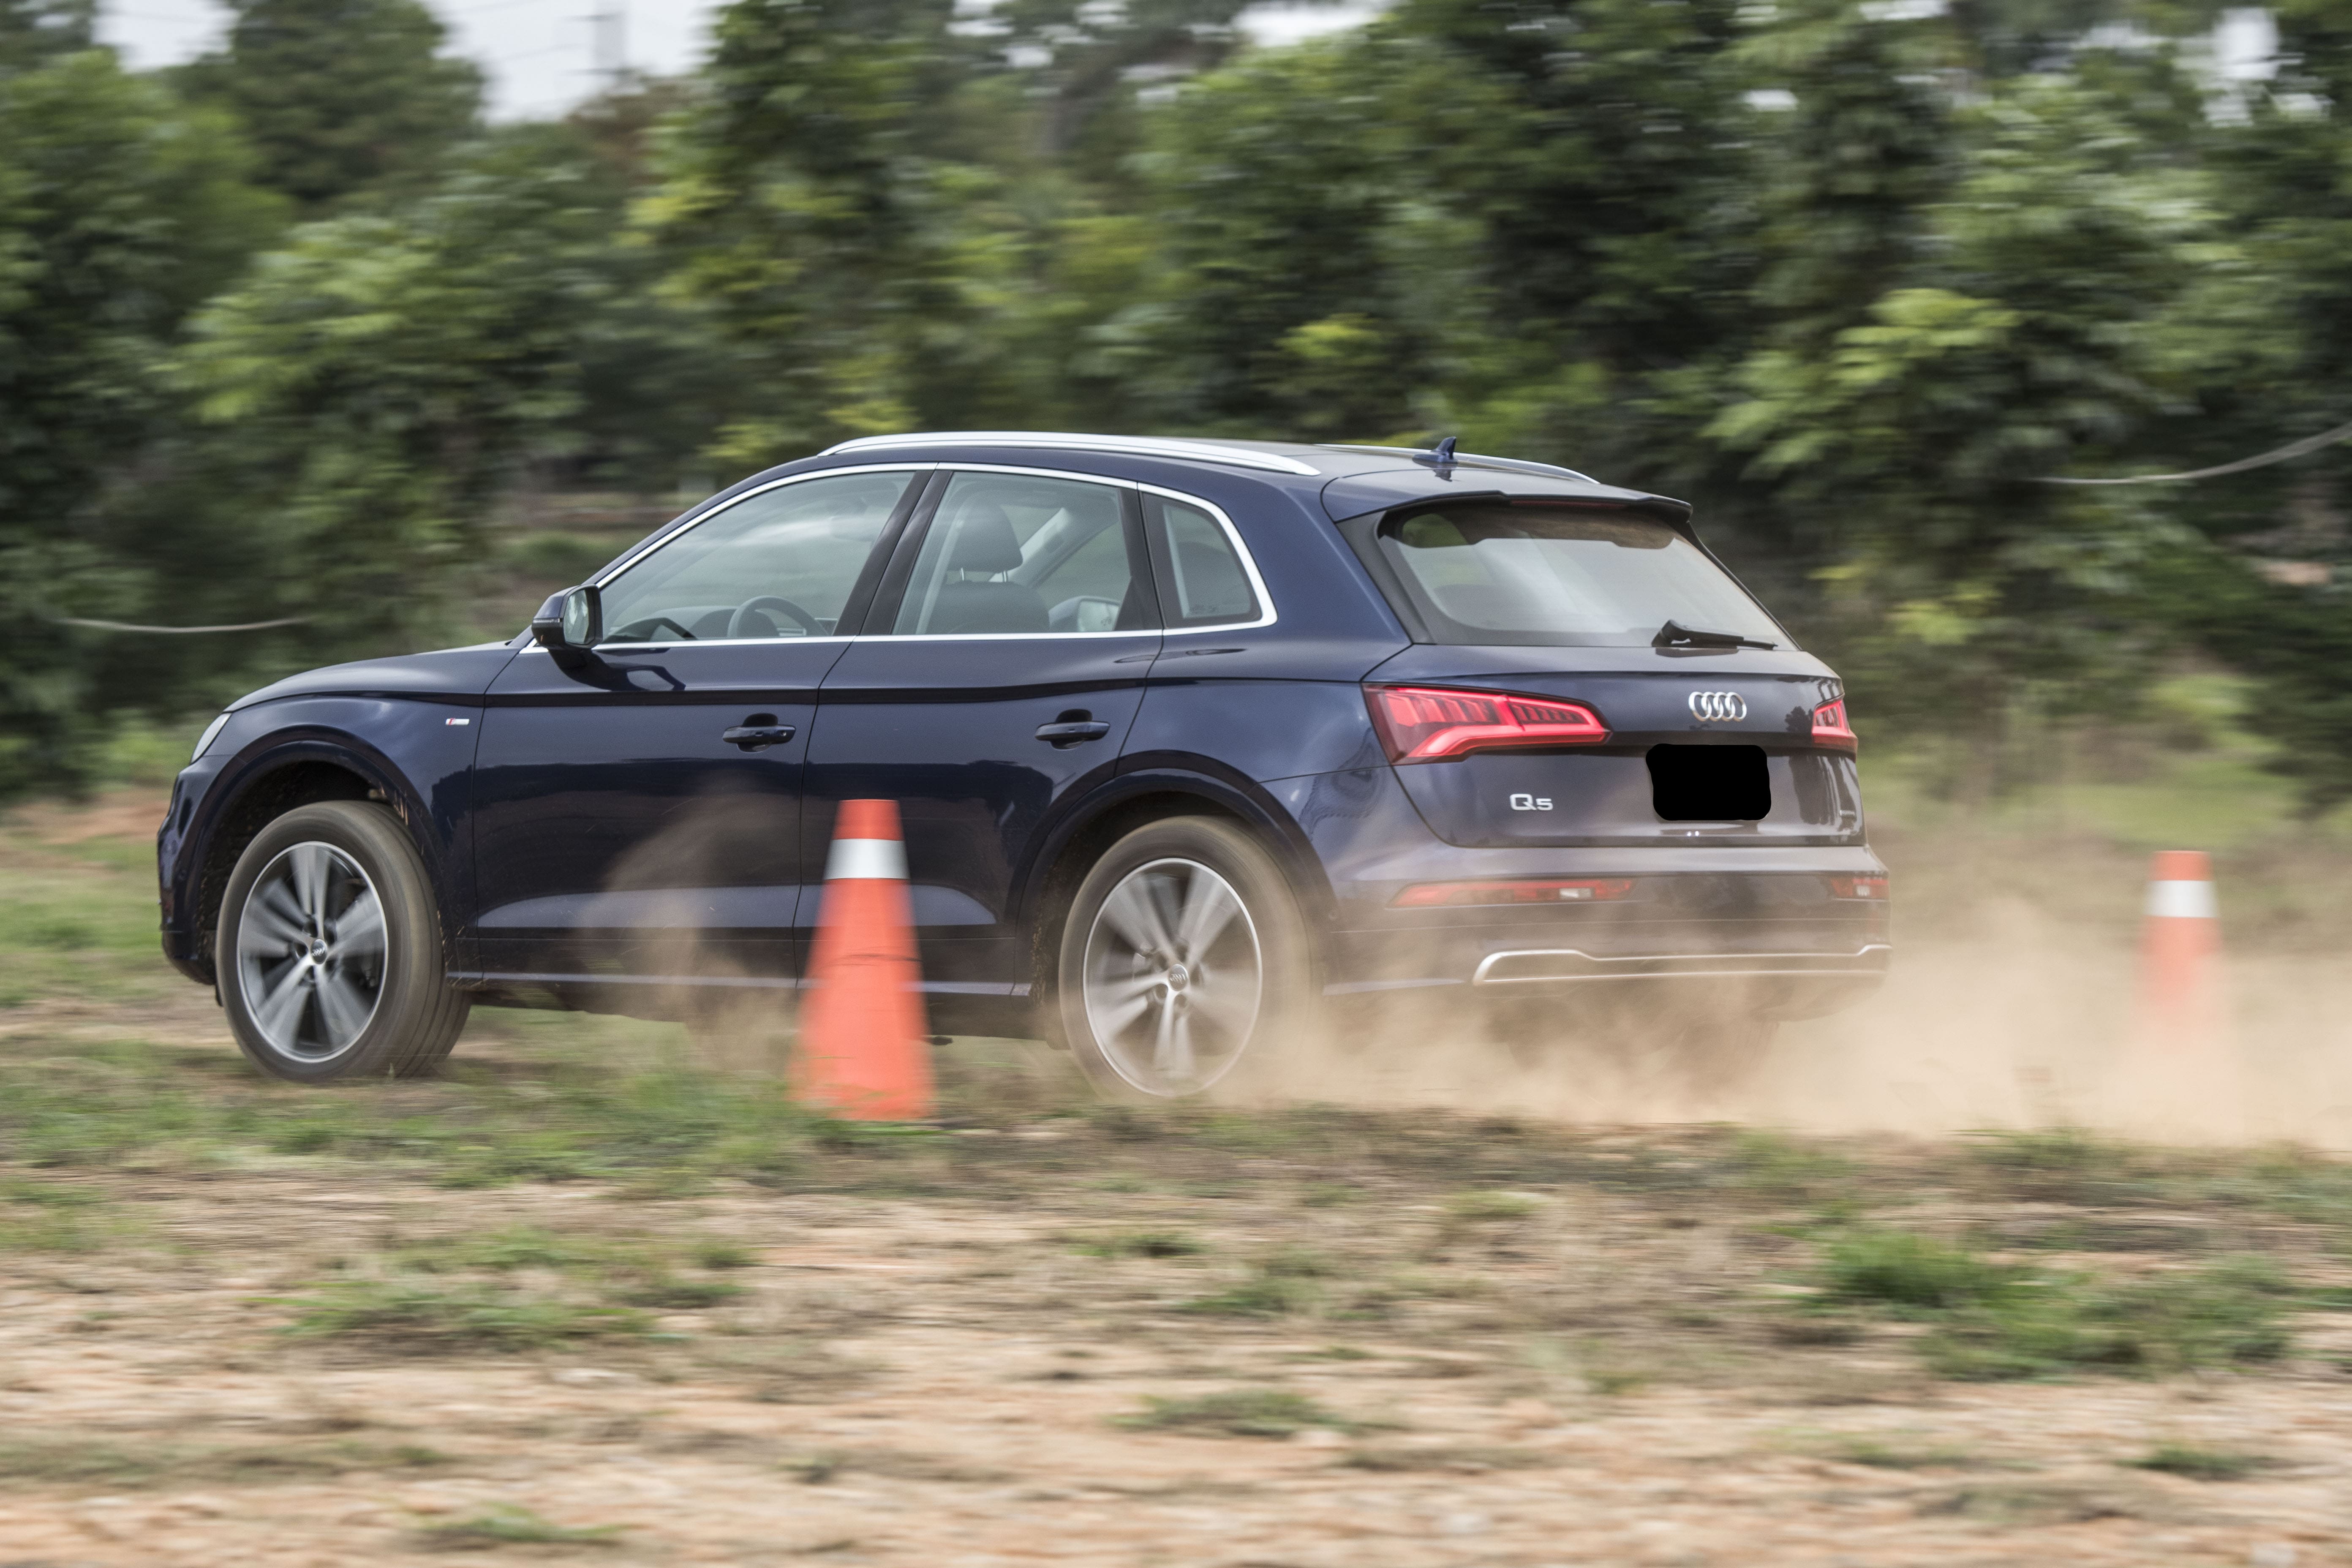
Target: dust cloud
(2028, 1022)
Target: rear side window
(1023, 555)
(1202, 582)
(1561, 574)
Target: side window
(779, 564)
(1013, 553)
(1201, 580)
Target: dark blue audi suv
(1196, 744)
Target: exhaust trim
(1868, 960)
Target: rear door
(1002, 665)
(639, 816)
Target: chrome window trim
(1129, 445)
(1267, 614)
(1265, 617)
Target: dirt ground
(934, 1381)
(557, 1309)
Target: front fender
(409, 754)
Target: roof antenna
(1443, 456)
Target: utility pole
(611, 43)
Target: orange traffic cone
(2183, 1079)
(2179, 953)
(863, 1050)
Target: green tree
(2042, 334)
(119, 211)
(801, 205)
(341, 96)
(32, 31)
(373, 384)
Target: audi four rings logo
(1717, 707)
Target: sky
(542, 54)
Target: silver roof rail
(1133, 446)
(1471, 460)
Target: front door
(638, 818)
(1002, 665)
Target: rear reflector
(1541, 890)
(1858, 887)
(1430, 724)
(1830, 727)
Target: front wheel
(329, 950)
(1184, 954)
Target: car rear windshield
(1555, 572)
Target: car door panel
(638, 817)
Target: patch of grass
(2037, 1504)
(1902, 1269)
(2223, 1315)
(1287, 1282)
(425, 1316)
(2064, 1164)
(679, 1294)
(511, 1524)
(114, 1464)
(1474, 1207)
(1142, 1244)
(42, 1217)
(1470, 1458)
(1780, 1166)
(1237, 1413)
(1883, 1454)
(723, 1254)
(2200, 1463)
(1994, 1321)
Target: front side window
(779, 564)
(1562, 573)
(1012, 554)
(1202, 581)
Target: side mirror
(570, 626)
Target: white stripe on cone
(2182, 901)
(866, 859)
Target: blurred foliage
(1852, 277)
(339, 95)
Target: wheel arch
(1154, 792)
(287, 772)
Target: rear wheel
(329, 950)
(1183, 956)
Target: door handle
(756, 737)
(1068, 733)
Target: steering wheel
(750, 607)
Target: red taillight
(1830, 727)
(1539, 891)
(1858, 887)
(1429, 724)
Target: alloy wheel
(310, 950)
(1174, 977)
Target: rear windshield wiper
(1674, 634)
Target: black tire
(1106, 960)
(277, 993)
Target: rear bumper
(1757, 922)
(1793, 967)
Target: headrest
(984, 540)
